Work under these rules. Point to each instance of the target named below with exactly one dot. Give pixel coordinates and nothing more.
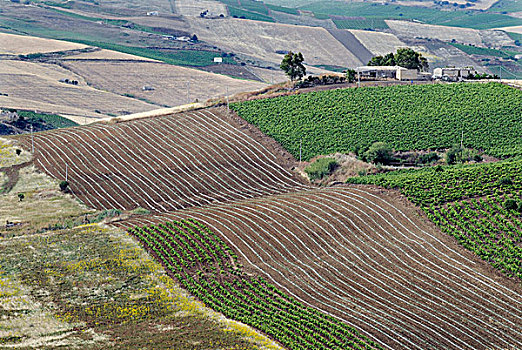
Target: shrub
(21, 196)
(428, 158)
(378, 153)
(18, 151)
(64, 186)
(140, 211)
(511, 204)
(320, 168)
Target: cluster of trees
(404, 57)
(292, 63)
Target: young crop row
(203, 264)
(435, 116)
(467, 202)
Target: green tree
(404, 57)
(292, 65)
(410, 59)
(351, 75)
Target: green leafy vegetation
(205, 266)
(404, 57)
(195, 58)
(53, 120)
(361, 23)
(474, 50)
(369, 10)
(422, 117)
(476, 204)
(320, 168)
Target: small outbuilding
(387, 72)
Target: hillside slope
(366, 257)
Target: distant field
(23, 45)
(171, 85)
(406, 117)
(262, 40)
(471, 19)
(36, 86)
(378, 43)
(196, 7)
(367, 23)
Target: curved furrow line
(343, 286)
(208, 182)
(87, 180)
(469, 261)
(212, 219)
(447, 269)
(133, 178)
(203, 145)
(166, 184)
(418, 281)
(256, 145)
(229, 147)
(249, 144)
(335, 254)
(116, 156)
(79, 155)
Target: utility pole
(462, 139)
(188, 91)
(32, 140)
(228, 108)
(358, 79)
(66, 172)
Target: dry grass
(411, 29)
(44, 205)
(170, 83)
(262, 40)
(36, 86)
(515, 29)
(8, 155)
(378, 43)
(22, 45)
(94, 287)
(195, 7)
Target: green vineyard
(204, 265)
(468, 202)
(482, 116)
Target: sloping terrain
(262, 40)
(173, 162)
(377, 43)
(37, 86)
(22, 45)
(158, 82)
(490, 38)
(366, 257)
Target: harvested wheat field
(107, 55)
(367, 257)
(460, 35)
(22, 45)
(195, 7)
(158, 82)
(378, 43)
(165, 163)
(263, 39)
(37, 86)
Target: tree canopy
(405, 57)
(292, 65)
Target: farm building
(453, 73)
(388, 72)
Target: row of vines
(417, 117)
(204, 265)
(468, 202)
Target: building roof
(381, 68)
